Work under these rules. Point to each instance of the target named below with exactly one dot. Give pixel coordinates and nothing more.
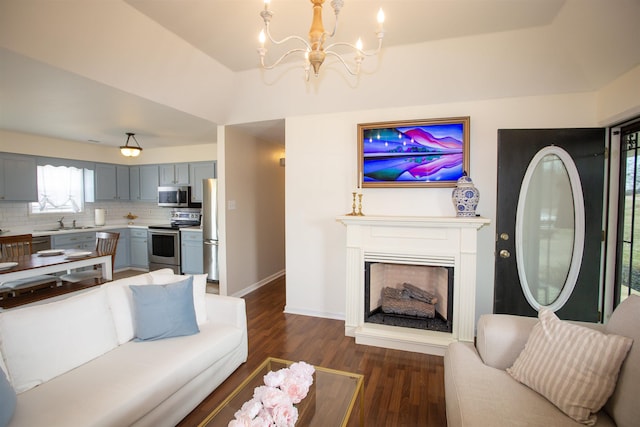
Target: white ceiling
(39, 98)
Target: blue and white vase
(465, 197)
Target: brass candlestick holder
(353, 205)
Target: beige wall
(620, 99)
(254, 228)
(15, 142)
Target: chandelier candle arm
(315, 52)
(262, 51)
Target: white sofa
(74, 362)
(480, 393)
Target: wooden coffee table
(329, 402)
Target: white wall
(254, 225)
(321, 174)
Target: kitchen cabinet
(18, 178)
(138, 245)
(197, 172)
(85, 241)
(191, 253)
(174, 174)
(143, 183)
(112, 182)
(122, 250)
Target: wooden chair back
(15, 246)
(106, 243)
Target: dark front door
(542, 259)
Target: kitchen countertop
(38, 232)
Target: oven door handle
(164, 233)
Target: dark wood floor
(401, 388)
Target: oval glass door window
(549, 229)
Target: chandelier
(131, 150)
(314, 49)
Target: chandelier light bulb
(359, 44)
(380, 15)
(262, 38)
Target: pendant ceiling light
(314, 49)
(131, 150)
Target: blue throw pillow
(7, 400)
(164, 311)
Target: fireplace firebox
(409, 296)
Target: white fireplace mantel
(438, 241)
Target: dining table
(51, 262)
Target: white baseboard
(259, 284)
(323, 314)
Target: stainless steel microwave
(174, 197)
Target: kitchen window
(61, 189)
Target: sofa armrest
(227, 310)
(501, 338)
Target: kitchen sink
(85, 227)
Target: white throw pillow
(121, 303)
(44, 341)
(574, 367)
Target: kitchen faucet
(61, 223)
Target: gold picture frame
(413, 153)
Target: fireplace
(446, 242)
(409, 295)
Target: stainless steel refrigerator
(210, 227)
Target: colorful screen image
(430, 154)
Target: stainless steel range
(164, 239)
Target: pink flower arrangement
(273, 403)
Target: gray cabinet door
(134, 183)
(18, 179)
(122, 250)
(139, 255)
(143, 183)
(192, 256)
(174, 174)
(149, 183)
(122, 182)
(112, 182)
(106, 182)
(198, 172)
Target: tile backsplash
(16, 215)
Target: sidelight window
(628, 258)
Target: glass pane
(629, 280)
(549, 228)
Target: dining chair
(15, 246)
(12, 247)
(106, 243)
